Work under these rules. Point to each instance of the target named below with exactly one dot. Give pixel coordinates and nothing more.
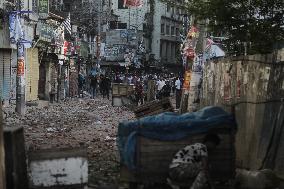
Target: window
(177, 32)
(173, 31)
(168, 8)
(122, 26)
(67, 7)
(120, 4)
(167, 30)
(34, 5)
(173, 9)
(162, 28)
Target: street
(132, 94)
(78, 122)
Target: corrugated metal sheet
(5, 67)
(32, 74)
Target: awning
(106, 63)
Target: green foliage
(257, 23)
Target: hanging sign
(43, 8)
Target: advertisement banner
(16, 31)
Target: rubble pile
(82, 122)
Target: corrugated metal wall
(32, 74)
(5, 69)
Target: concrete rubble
(82, 122)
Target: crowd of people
(165, 85)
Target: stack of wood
(154, 108)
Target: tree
(254, 26)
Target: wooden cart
(121, 93)
(153, 158)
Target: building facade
(161, 24)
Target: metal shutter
(7, 73)
(5, 67)
(1, 73)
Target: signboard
(84, 49)
(115, 52)
(45, 32)
(43, 8)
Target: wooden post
(2, 155)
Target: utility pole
(21, 83)
(20, 92)
(98, 43)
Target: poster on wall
(187, 79)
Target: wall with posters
(252, 80)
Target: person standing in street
(138, 93)
(105, 84)
(178, 92)
(94, 84)
(81, 82)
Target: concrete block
(59, 168)
(15, 158)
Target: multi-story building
(161, 24)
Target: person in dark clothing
(118, 80)
(105, 84)
(138, 93)
(94, 84)
(101, 84)
(81, 82)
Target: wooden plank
(143, 110)
(153, 103)
(225, 139)
(156, 112)
(149, 110)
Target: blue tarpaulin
(168, 127)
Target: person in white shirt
(178, 92)
(160, 84)
(178, 84)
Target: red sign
(133, 3)
(21, 67)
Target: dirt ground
(78, 122)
